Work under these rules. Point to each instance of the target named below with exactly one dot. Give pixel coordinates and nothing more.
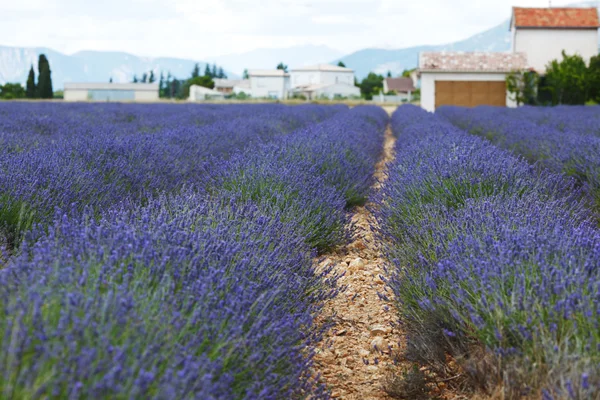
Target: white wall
(145, 95)
(303, 78)
(545, 45)
(269, 86)
(341, 89)
(75, 95)
(428, 85)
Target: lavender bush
(563, 139)
(95, 156)
(205, 289)
(496, 263)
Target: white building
(543, 33)
(243, 86)
(467, 79)
(324, 80)
(201, 93)
(274, 84)
(227, 85)
(111, 92)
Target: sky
(201, 29)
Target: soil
(354, 357)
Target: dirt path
(353, 358)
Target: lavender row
(496, 263)
(553, 145)
(206, 294)
(94, 156)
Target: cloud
(202, 29)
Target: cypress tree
(207, 71)
(196, 71)
(151, 78)
(161, 84)
(30, 91)
(44, 86)
(221, 73)
(214, 71)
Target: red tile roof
(471, 62)
(400, 85)
(578, 18)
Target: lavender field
(174, 251)
(166, 251)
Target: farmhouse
(273, 84)
(200, 93)
(467, 79)
(543, 33)
(111, 91)
(403, 87)
(324, 80)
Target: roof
(400, 84)
(576, 18)
(226, 83)
(471, 62)
(111, 86)
(323, 67)
(267, 72)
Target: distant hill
(382, 60)
(89, 66)
(297, 56)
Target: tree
(221, 74)
(245, 74)
(341, 64)
(522, 85)
(205, 81)
(207, 71)
(30, 88)
(567, 80)
(151, 78)
(12, 91)
(389, 74)
(110, 80)
(407, 72)
(144, 77)
(44, 86)
(196, 71)
(594, 79)
(135, 79)
(213, 72)
(282, 66)
(161, 84)
(371, 85)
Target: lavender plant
(557, 139)
(204, 289)
(491, 254)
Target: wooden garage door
(470, 93)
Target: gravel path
(354, 357)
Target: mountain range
(100, 66)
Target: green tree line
(32, 90)
(567, 81)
